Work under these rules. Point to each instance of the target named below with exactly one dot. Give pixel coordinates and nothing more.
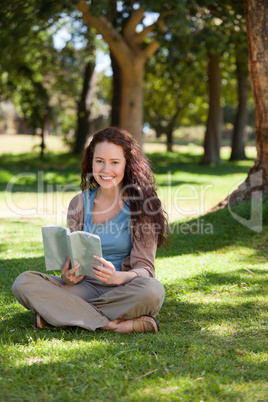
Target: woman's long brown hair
(145, 206)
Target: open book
(59, 244)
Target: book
(60, 244)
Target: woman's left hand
(105, 273)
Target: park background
(178, 81)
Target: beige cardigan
(142, 256)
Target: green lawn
(213, 343)
(44, 188)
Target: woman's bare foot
(144, 323)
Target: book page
(83, 246)
(55, 246)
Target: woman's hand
(107, 273)
(68, 274)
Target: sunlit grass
(23, 143)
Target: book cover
(60, 244)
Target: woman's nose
(105, 167)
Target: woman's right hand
(68, 274)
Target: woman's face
(108, 165)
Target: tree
(34, 106)
(25, 71)
(210, 32)
(87, 94)
(83, 109)
(173, 85)
(238, 135)
(131, 55)
(36, 75)
(256, 13)
(162, 96)
(219, 21)
(28, 62)
(214, 120)
(237, 46)
(131, 46)
(115, 17)
(207, 30)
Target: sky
(103, 62)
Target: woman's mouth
(107, 178)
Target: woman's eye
(114, 162)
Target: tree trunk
(131, 52)
(117, 89)
(42, 145)
(256, 184)
(131, 111)
(169, 132)
(83, 109)
(238, 138)
(116, 79)
(158, 131)
(214, 120)
(257, 30)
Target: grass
(44, 187)
(213, 343)
(213, 340)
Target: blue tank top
(115, 234)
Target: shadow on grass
(210, 282)
(162, 163)
(34, 181)
(63, 170)
(23, 171)
(29, 160)
(10, 268)
(214, 231)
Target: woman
(119, 203)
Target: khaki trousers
(89, 304)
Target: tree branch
(139, 36)
(135, 18)
(113, 38)
(101, 24)
(150, 49)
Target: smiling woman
(120, 204)
(109, 165)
